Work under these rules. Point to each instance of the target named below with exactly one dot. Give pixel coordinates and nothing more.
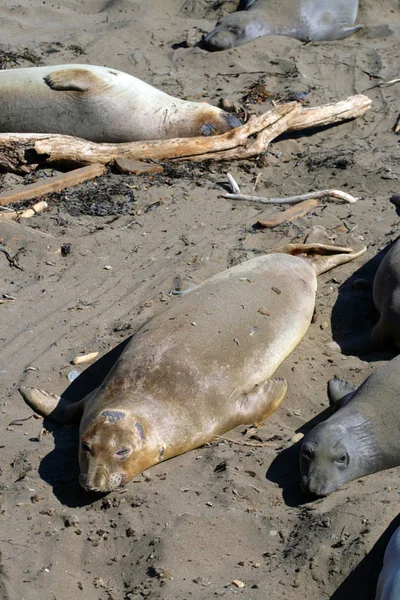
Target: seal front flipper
(73, 80)
(339, 393)
(262, 401)
(52, 406)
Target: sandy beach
(225, 520)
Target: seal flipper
(56, 408)
(343, 30)
(73, 80)
(262, 401)
(339, 393)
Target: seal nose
(96, 481)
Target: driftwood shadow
(60, 467)
(361, 583)
(284, 469)
(354, 314)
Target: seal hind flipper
(323, 257)
(339, 393)
(263, 400)
(73, 80)
(52, 406)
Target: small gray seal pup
(388, 587)
(360, 438)
(307, 20)
(101, 105)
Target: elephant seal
(388, 587)
(386, 296)
(307, 20)
(196, 370)
(101, 105)
(360, 438)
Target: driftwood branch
(23, 152)
(51, 184)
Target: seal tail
(323, 257)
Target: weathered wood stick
(336, 194)
(52, 184)
(290, 214)
(23, 152)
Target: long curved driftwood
(22, 153)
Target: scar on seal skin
(177, 385)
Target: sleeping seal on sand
(198, 369)
(305, 20)
(362, 437)
(386, 295)
(388, 587)
(101, 105)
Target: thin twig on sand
(335, 194)
(252, 444)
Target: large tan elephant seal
(101, 105)
(198, 369)
(360, 438)
(305, 20)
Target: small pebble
(297, 437)
(238, 583)
(324, 325)
(72, 375)
(71, 521)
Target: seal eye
(307, 454)
(86, 447)
(123, 453)
(342, 460)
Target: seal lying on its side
(101, 105)
(386, 295)
(388, 587)
(302, 19)
(362, 437)
(196, 370)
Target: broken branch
(335, 194)
(50, 185)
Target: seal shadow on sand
(361, 583)
(284, 469)
(354, 313)
(60, 467)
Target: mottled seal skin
(386, 295)
(101, 105)
(360, 438)
(388, 587)
(197, 370)
(313, 20)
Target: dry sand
(189, 527)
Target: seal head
(234, 30)
(335, 453)
(360, 438)
(109, 450)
